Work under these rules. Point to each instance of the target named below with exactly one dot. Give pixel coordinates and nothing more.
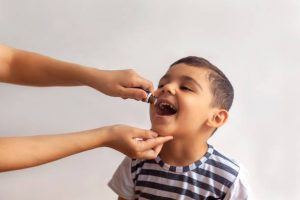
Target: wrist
(84, 74)
(105, 136)
(91, 77)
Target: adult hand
(135, 142)
(29, 151)
(118, 83)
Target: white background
(256, 43)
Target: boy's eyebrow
(183, 78)
(190, 79)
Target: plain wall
(256, 44)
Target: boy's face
(183, 101)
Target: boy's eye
(185, 88)
(160, 86)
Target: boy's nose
(156, 92)
(169, 89)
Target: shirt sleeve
(121, 182)
(240, 188)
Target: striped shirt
(211, 177)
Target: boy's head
(193, 96)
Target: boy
(193, 99)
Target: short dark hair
(220, 86)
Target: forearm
(28, 68)
(23, 152)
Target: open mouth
(165, 108)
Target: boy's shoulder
(232, 173)
(222, 162)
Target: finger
(151, 143)
(144, 84)
(144, 134)
(148, 155)
(157, 149)
(133, 93)
(151, 153)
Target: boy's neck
(184, 151)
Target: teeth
(163, 104)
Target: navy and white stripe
(208, 178)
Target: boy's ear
(218, 118)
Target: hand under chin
(162, 131)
